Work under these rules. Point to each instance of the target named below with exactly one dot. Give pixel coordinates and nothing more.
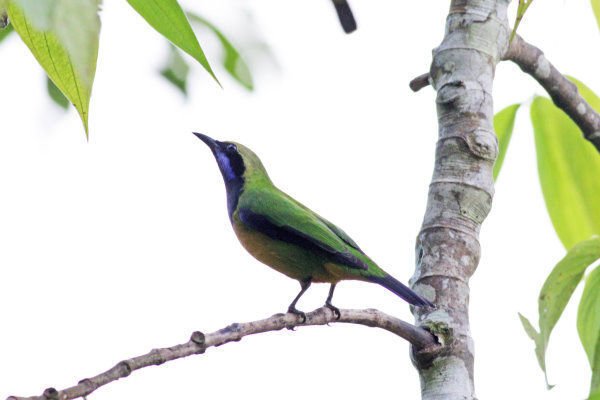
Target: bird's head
(236, 161)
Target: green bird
(287, 236)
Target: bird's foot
(334, 310)
(294, 310)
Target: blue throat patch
(234, 183)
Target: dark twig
(419, 82)
(562, 91)
(198, 343)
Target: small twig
(562, 91)
(198, 343)
(419, 82)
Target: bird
(345, 15)
(287, 236)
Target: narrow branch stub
(563, 92)
(461, 191)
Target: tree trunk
(461, 190)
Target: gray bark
(461, 190)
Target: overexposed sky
(113, 247)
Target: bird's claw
(294, 310)
(334, 310)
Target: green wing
(340, 233)
(280, 217)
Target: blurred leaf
(176, 70)
(4, 33)
(3, 15)
(77, 25)
(521, 10)
(167, 17)
(569, 167)
(588, 325)
(232, 61)
(587, 93)
(539, 345)
(504, 122)
(39, 12)
(596, 9)
(558, 289)
(55, 60)
(56, 95)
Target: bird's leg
(334, 309)
(304, 285)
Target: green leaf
(558, 289)
(56, 95)
(4, 33)
(176, 70)
(588, 325)
(596, 9)
(77, 25)
(39, 12)
(539, 345)
(233, 63)
(167, 17)
(562, 281)
(521, 10)
(54, 58)
(568, 167)
(504, 122)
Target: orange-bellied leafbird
(289, 237)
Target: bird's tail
(401, 290)
(345, 15)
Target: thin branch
(562, 91)
(420, 82)
(421, 339)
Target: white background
(116, 246)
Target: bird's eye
(231, 148)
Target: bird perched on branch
(345, 15)
(287, 236)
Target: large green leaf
(504, 122)
(568, 167)
(596, 9)
(232, 60)
(167, 17)
(557, 291)
(588, 325)
(55, 59)
(562, 281)
(176, 70)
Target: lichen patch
(543, 67)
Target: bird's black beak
(210, 142)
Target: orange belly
(287, 258)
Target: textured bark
(461, 190)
